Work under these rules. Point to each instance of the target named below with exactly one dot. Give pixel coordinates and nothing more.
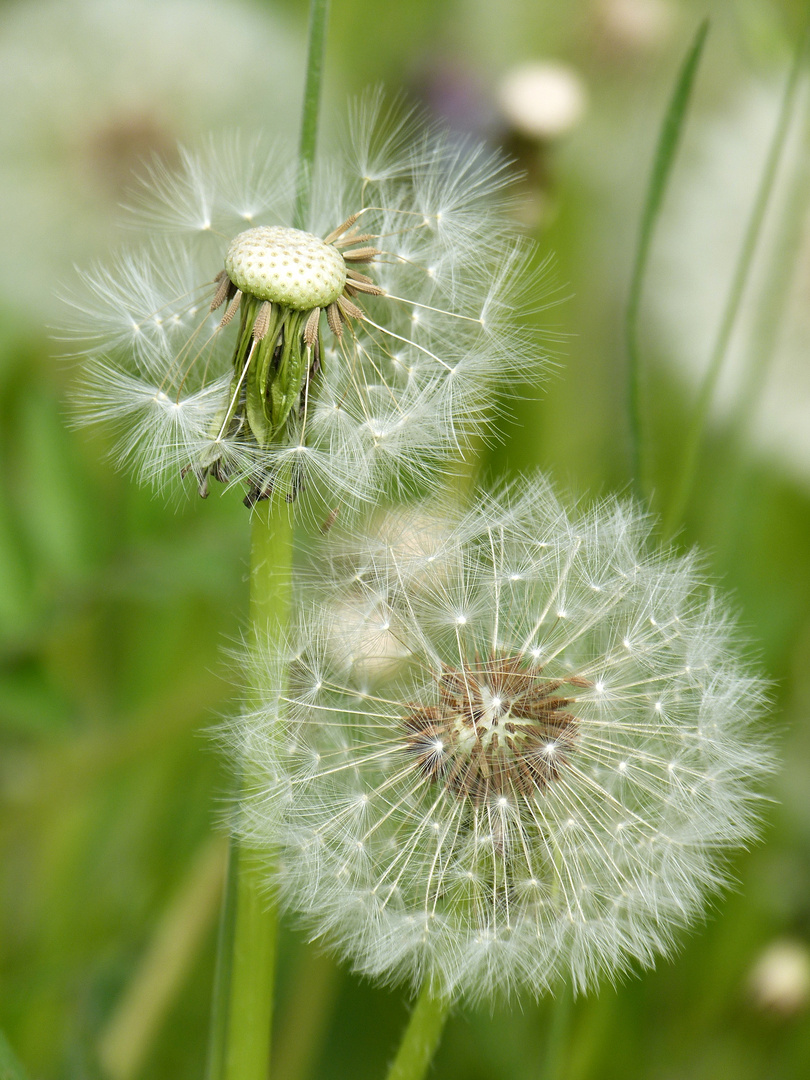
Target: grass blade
(666, 150)
(694, 434)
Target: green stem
(253, 962)
(318, 18)
(731, 506)
(562, 1009)
(421, 1037)
(243, 995)
(243, 992)
(694, 435)
(668, 141)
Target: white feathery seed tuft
(334, 361)
(521, 760)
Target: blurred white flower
(92, 88)
(543, 99)
(542, 788)
(632, 26)
(408, 256)
(780, 980)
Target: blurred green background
(115, 608)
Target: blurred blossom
(538, 104)
(93, 87)
(542, 100)
(534, 772)
(780, 980)
(696, 252)
(633, 26)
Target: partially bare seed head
(286, 266)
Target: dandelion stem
(694, 435)
(243, 996)
(668, 141)
(422, 1035)
(318, 19)
(250, 1012)
(558, 1034)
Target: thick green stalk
(253, 965)
(318, 19)
(243, 1013)
(694, 435)
(559, 1032)
(421, 1037)
(244, 982)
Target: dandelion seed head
(531, 817)
(348, 354)
(286, 266)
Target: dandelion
(358, 350)
(541, 782)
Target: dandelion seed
(536, 803)
(359, 350)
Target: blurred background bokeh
(116, 609)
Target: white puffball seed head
(286, 266)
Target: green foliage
(114, 611)
(10, 1068)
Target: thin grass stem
(663, 161)
(731, 504)
(694, 435)
(218, 1033)
(318, 20)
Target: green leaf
(668, 141)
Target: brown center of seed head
(499, 729)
